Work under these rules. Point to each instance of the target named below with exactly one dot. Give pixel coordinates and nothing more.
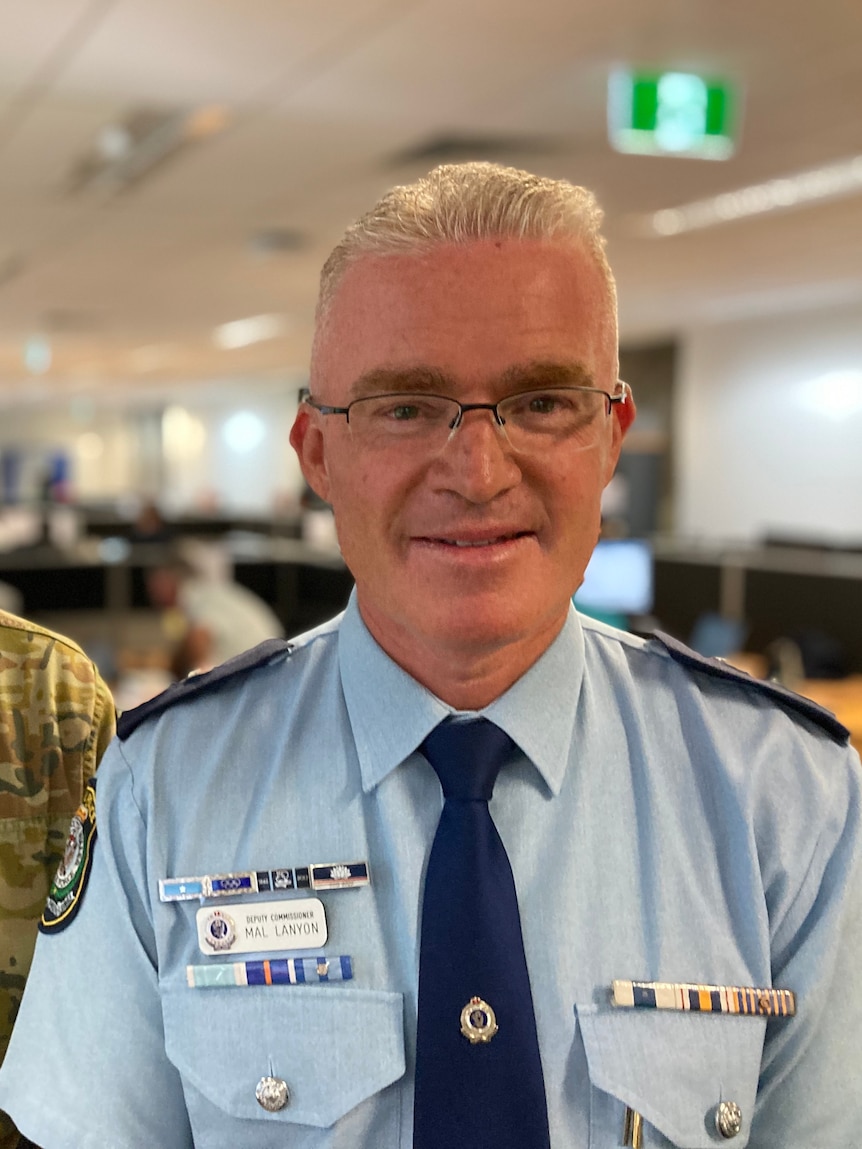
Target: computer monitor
(618, 580)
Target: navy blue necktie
(478, 1073)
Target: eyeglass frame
(327, 409)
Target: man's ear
(623, 416)
(306, 438)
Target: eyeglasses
(531, 420)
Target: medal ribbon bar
(318, 876)
(746, 1000)
(275, 971)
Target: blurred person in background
(149, 525)
(56, 718)
(209, 616)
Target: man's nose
(478, 461)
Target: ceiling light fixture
(127, 150)
(831, 181)
(836, 395)
(38, 354)
(183, 435)
(244, 332)
(244, 431)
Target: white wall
(234, 455)
(193, 458)
(768, 427)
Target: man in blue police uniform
(237, 948)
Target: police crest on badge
(219, 930)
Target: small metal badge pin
(478, 1021)
(728, 1119)
(272, 1094)
(219, 930)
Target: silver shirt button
(728, 1119)
(272, 1093)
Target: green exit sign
(672, 114)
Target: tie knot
(467, 757)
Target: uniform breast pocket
(299, 1067)
(685, 1073)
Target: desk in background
(771, 592)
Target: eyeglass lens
(530, 420)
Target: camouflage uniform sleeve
(104, 725)
(56, 719)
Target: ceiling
(269, 124)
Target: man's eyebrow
(529, 376)
(546, 373)
(382, 380)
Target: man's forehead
(475, 275)
(489, 312)
(401, 268)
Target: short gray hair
(461, 203)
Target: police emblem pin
(219, 930)
(478, 1021)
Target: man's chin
(474, 631)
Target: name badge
(290, 924)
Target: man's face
(482, 321)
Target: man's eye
(543, 405)
(404, 412)
(419, 410)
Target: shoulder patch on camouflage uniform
(717, 668)
(196, 684)
(67, 889)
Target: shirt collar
(391, 713)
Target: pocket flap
(675, 1068)
(334, 1047)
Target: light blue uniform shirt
(663, 824)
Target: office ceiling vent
(277, 241)
(126, 151)
(454, 148)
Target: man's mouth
(487, 542)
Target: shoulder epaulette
(200, 683)
(718, 668)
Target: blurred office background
(174, 172)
